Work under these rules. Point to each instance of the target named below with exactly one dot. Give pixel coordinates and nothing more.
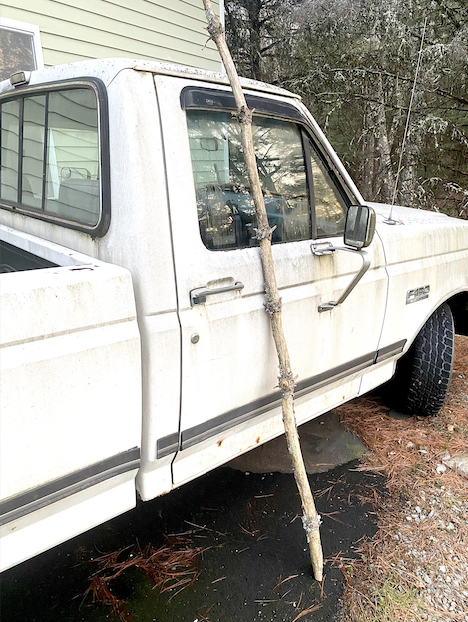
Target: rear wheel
(423, 375)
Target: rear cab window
(54, 154)
(303, 198)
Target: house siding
(164, 30)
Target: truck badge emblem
(415, 295)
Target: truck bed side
(71, 397)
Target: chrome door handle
(198, 296)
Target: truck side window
(9, 183)
(33, 151)
(330, 206)
(225, 207)
(50, 155)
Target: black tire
(423, 375)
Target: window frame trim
(102, 226)
(310, 180)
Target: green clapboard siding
(164, 30)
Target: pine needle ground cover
(416, 566)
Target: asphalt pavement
(246, 515)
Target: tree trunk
(368, 153)
(378, 179)
(384, 173)
(409, 171)
(311, 520)
(253, 9)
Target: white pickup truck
(135, 349)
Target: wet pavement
(250, 525)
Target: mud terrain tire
(423, 375)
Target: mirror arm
(327, 249)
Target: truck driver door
(229, 370)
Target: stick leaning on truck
(311, 520)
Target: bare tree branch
(311, 520)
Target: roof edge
(172, 69)
(107, 68)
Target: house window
(20, 47)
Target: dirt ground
(238, 541)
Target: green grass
(391, 604)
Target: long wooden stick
(311, 520)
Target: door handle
(198, 296)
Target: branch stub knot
(286, 382)
(311, 524)
(263, 232)
(215, 28)
(244, 115)
(272, 306)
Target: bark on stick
(311, 520)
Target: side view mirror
(359, 227)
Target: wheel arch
(459, 306)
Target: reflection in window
(33, 151)
(72, 182)
(59, 165)
(9, 182)
(226, 211)
(330, 208)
